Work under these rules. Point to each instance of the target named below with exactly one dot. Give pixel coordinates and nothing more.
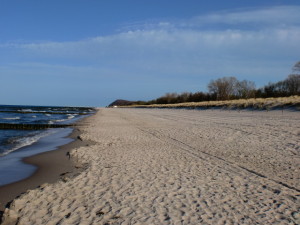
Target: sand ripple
(176, 167)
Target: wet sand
(51, 166)
(159, 166)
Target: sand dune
(159, 166)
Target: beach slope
(161, 166)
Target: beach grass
(253, 103)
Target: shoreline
(51, 166)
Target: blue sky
(89, 53)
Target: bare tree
(168, 98)
(224, 88)
(184, 97)
(293, 84)
(296, 68)
(171, 97)
(245, 89)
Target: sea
(30, 130)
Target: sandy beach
(51, 166)
(164, 166)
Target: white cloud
(274, 16)
(175, 44)
(178, 50)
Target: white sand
(152, 166)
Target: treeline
(230, 88)
(285, 88)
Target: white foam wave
(47, 115)
(12, 118)
(55, 121)
(60, 120)
(25, 141)
(70, 117)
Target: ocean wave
(25, 141)
(55, 121)
(25, 110)
(62, 120)
(12, 118)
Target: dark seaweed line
(11, 126)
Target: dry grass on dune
(256, 103)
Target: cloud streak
(249, 18)
(176, 54)
(275, 16)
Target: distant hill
(121, 102)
